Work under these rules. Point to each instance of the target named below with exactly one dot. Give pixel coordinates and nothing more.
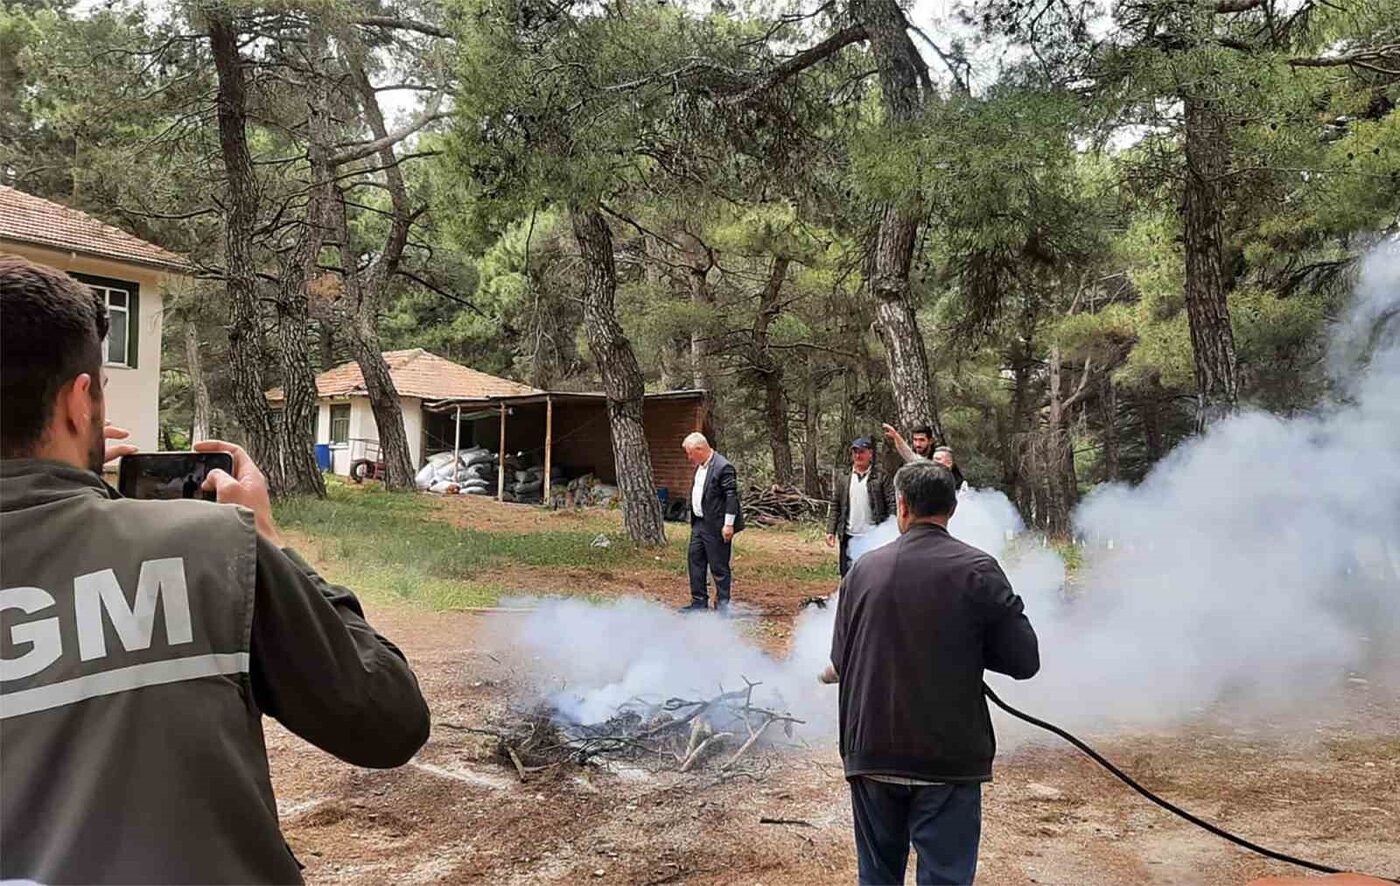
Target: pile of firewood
(717, 733)
(770, 505)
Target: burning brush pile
(718, 734)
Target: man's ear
(74, 403)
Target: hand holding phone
(170, 475)
(243, 484)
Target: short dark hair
(51, 330)
(928, 489)
(922, 429)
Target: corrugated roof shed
(25, 218)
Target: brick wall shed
(583, 439)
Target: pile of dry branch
(769, 505)
(719, 733)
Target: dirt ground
(456, 814)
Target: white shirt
(697, 491)
(858, 514)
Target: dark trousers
(943, 821)
(708, 550)
(844, 543)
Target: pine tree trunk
(622, 379)
(247, 349)
(202, 408)
(811, 439)
(1109, 403)
(366, 292)
(1150, 407)
(327, 345)
(903, 83)
(1057, 452)
(770, 372)
(384, 402)
(298, 268)
(1212, 339)
(698, 264)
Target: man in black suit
(715, 516)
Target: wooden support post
(548, 448)
(456, 441)
(501, 460)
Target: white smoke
(1259, 562)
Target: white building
(345, 421)
(129, 273)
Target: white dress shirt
(697, 492)
(858, 513)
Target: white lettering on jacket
(45, 644)
(93, 594)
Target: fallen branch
(792, 821)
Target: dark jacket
(721, 495)
(879, 486)
(162, 632)
(918, 621)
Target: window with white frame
(119, 313)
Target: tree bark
(1056, 456)
(298, 268)
(1212, 339)
(699, 260)
(904, 82)
(1109, 404)
(811, 431)
(622, 378)
(366, 294)
(770, 373)
(202, 408)
(247, 349)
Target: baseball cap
(860, 443)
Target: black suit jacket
(721, 495)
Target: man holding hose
(918, 622)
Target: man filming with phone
(142, 641)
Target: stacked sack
(473, 473)
(589, 491)
(528, 484)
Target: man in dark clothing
(863, 502)
(917, 623)
(943, 455)
(715, 517)
(143, 641)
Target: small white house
(346, 422)
(129, 274)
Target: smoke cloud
(1258, 563)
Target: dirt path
(457, 815)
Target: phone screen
(170, 475)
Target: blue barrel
(663, 495)
(323, 456)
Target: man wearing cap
(863, 502)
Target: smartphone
(169, 475)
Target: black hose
(1165, 804)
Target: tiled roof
(25, 218)
(417, 373)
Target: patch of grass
(396, 547)
(390, 546)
